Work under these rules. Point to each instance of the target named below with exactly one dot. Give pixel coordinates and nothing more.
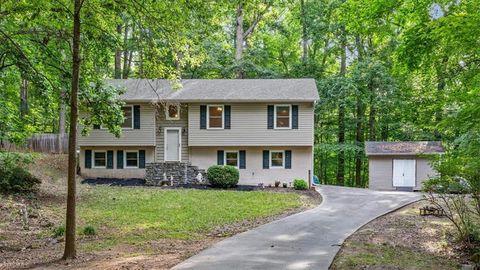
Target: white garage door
(404, 172)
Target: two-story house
(264, 127)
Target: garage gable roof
(403, 148)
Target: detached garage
(400, 165)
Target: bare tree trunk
(70, 245)
(125, 52)
(372, 116)
(23, 98)
(359, 136)
(118, 57)
(239, 40)
(61, 119)
(304, 32)
(341, 117)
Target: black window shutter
(203, 117)
(109, 159)
(119, 159)
(141, 159)
(95, 126)
(266, 159)
(88, 159)
(288, 159)
(243, 159)
(136, 117)
(295, 116)
(220, 157)
(228, 113)
(270, 116)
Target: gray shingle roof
(403, 148)
(236, 90)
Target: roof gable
(236, 90)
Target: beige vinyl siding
(381, 171)
(162, 123)
(249, 127)
(114, 173)
(130, 137)
(253, 174)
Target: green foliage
(89, 230)
(300, 184)
(456, 190)
(14, 174)
(59, 231)
(223, 176)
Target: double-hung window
(131, 159)
(231, 158)
(283, 116)
(215, 116)
(99, 159)
(277, 159)
(128, 117)
(172, 112)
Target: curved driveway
(307, 240)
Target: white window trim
(225, 158)
(179, 142)
(223, 116)
(283, 157)
(131, 124)
(125, 159)
(93, 160)
(167, 117)
(289, 116)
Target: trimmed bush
(300, 184)
(223, 176)
(89, 230)
(14, 176)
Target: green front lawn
(136, 215)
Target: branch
(256, 21)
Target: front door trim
(165, 143)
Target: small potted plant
(277, 184)
(285, 185)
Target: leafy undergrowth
(402, 240)
(135, 227)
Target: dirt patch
(402, 240)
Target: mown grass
(136, 215)
(384, 256)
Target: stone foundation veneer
(159, 173)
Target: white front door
(404, 172)
(172, 144)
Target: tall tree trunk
(118, 57)
(61, 119)
(372, 115)
(239, 41)
(359, 136)
(125, 52)
(304, 32)
(23, 97)
(70, 247)
(341, 116)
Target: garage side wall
(380, 170)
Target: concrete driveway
(307, 240)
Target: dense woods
(385, 70)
